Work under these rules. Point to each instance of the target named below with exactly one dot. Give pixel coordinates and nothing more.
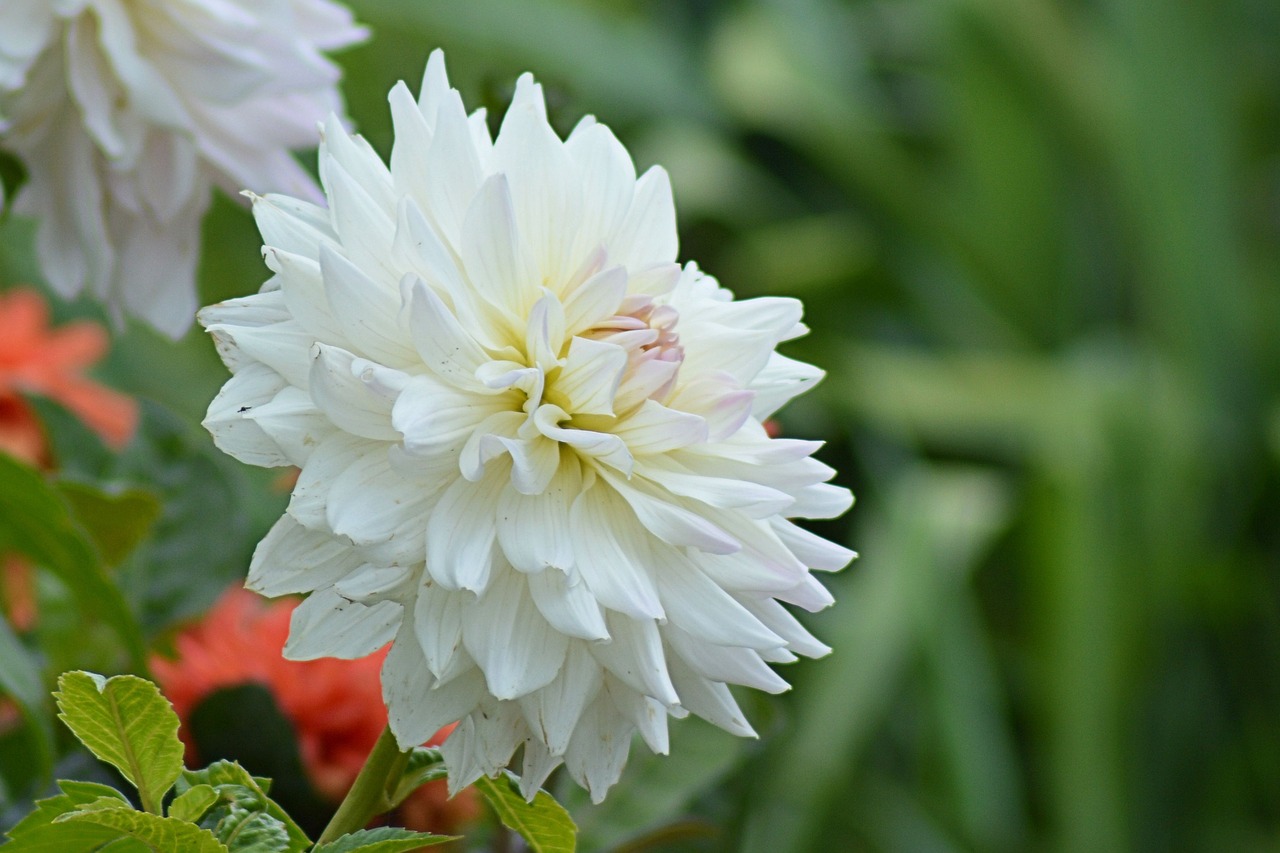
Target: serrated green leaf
(75, 837)
(384, 839)
(125, 722)
(251, 831)
(236, 786)
(20, 680)
(544, 824)
(116, 521)
(425, 765)
(34, 521)
(74, 796)
(192, 803)
(160, 834)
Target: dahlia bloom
(531, 444)
(127, 113)
(335, 706)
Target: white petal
(461, 533)
(328, 625)
(724, 663)
(367, 309)
(508, 639)
(811, 549)
(234, 433)
(291, 558)
(534, 533)
(496, 260)
(568, 605)
(415, 710)
(589, 378)
(437, 615)
(648, 233)
(710, 700)
(609, 546)
(355, 393)
(636, 657)
(598, 750)
(699, 606)
(653, 429)
(552, 713)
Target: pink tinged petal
(292, 421)
(809, 594)
(508, 639)
(596, 299)
(780, 620)
(598, 751)
(292, 559)
(670, 522)
(534, 528)
(568, 605)
(536, 766)
(368, 310)
(654, 428)
(781, 380)
(609, 546)
(437, 624)
(487, 442)
(493, 253)
(710, 700)
(453, 171)
(710, 348)
(445, 346)
(327, 625)
(293, 226)
(699, 606)
(234, 433)
(608, 180)
(333, 455)
(303, 287)
(590, 376)
(642, 381)
(461, 533)
(601, 446)
(719, 400)
(821, 501)
(370, 584)
(811, 549)
(636, 657)
(646, 714)
(552, 712)
(648, 233)
(371, 502)
(355, 393)
(729, 664)
(416, 707)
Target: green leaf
(117, 520)
(20, 680)
(161, 834)
(125, 722)
(544, 824)
(384, 839)
(34, 521)
(425, 765)
(236, 787)
(74, 796)
(251, 831)
(192, 803)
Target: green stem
(370, 795)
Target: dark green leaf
(34, 521)
(237, 788)
(20, 680)
(251, 831)
(125, 722)
(425, 765)
(544, 824)
(117, 520)
(385, 839)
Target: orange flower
(37, 359)
(335, 706)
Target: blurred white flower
(531, 443)
(127, 112)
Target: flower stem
(370, 794)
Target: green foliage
(116, 521)
(544, 824)
(127, 723)
(243, 814)
(35, 522)
(385, 839)
(424, 765)
(20, 679)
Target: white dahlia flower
(127, 112)
(531, 444)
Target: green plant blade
(385, 839)
(125, 722)
(544, 824)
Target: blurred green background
(1039, 246)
